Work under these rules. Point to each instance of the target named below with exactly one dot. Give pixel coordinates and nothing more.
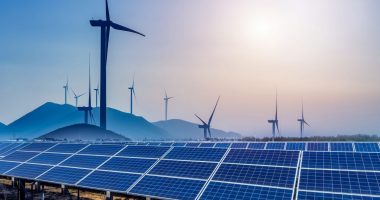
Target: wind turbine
(274, 123)
(132, 91)
(76, 97)
(66, 88)
(302, 123)
(166, 99)
(88, 109)
(96, 95)
(206, 126)
(105, 26)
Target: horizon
(241, 51)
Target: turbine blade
(212, 114)
(123, 28)
(73, 92)
(204, 123)
(107, 12)
(81, 94)
(306, 123)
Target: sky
(325, 53)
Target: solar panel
(20, 156)
(153, 144)
(258, 175)
(367, 147)
(165, 187)
(256, 145)
(295, 146)
(341, 146)
(318, 146)
(38, 146)
(67, 148)
(207, 144)
(144, 151)
(102, 149)
(192, 144)
(142, 143)
(275, 145)
(340, 181)
(49, 158)
(84, 161)
(64, 175)
(229, 191)
(179, 144)
(263, 157)
(6, 166)
(303, 195)
(201, 154)
(341, 160)
(137, 165)
(239, 145)
(188, 169)
(29, 171)
(222, 145)
(109, 180)
(11, 148)
(166, 144)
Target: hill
(186, 130)
(83, 132)
(4, 133)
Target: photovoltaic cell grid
(49, 158)
(102, 149)
(137, 165)
(200, 154)
(303, 195)
(38, 146)
(295, 146)
(256, 145)
(222, 145)
(341, 146)
(318, 146)
(6, 166)
(275, 145)
(367, 147)
(67, 148)
(144, 151)
(239, 145)
(84, 161)
(29, 171)
(207, 144)
(64, 175)
(200, 170)
(20, 156)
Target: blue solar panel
(5, 166)
(179, 144)
(275, 145)
(340, 181)
(341, 147)
(295, 146)
(137, 165)
(318, 146)
(367, 147)
(30, 171)
(258, 175)
(188, 169)
(202, 154)
(341, 160)
(192, 144)
(67, 148)
(207, 144)
(49, 158)
(84, 161)
(154, 144)
(303, 195)
(142, 143)
(38, 146)
(256, 145)
(64, 175)
(144, 151)
(263, 157)
(239, 145)
(11, 148)
(109, 180)
(228, 191)
(166, 144)
(165, 187)
(20, 156)
(222, 145)
(102, 149)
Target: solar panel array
(204, 170)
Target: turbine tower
(274, 123)
(302, 123)
(88, 109)
(76, 97)
(66, 88)
(166, 99)
(132, 93)
(96, 95)
(105, 26)
(206, 126)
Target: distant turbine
(274, 123)
(302, 123)
(96, 95)
(132, 91)
(66, 88)
(76, 97)
(206, 126)
(105, 26)
(166, 99)
(88, 109)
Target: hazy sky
(326, 52)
